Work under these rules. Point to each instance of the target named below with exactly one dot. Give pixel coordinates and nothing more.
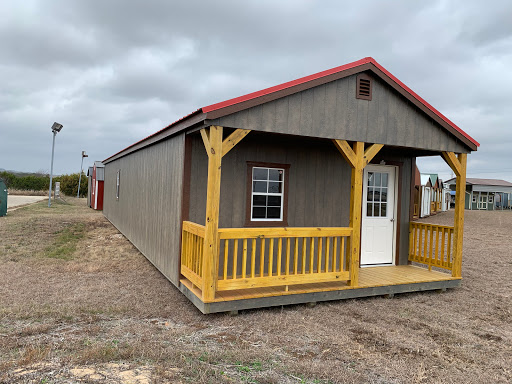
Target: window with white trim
(267, 197)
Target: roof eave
(184, 123)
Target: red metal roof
(366, 60)
(302, 80)
(153, 134)
(289, 84)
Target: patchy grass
(64, 246)
(107, 314)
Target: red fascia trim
(421, 100)
(289, 84)
(318, 75)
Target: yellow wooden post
(358, 158)
(211, 239)
(460, 199)
(356, 194)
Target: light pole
(80, 177)
(56, 127)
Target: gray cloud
(115, 71)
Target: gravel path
(16, 201)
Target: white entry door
(378, 221)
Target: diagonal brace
(453, 162)
(347, 152)
(229, 143)
(370, 153)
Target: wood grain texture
(211, 238)
(332, 111)
(460, 194)
(148, 211)
(356, 196)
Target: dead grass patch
(107, 314)
(64, 246)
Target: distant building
(89, 186)
(98, 178)
(486, 194)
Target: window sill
(265, 223)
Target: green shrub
(69, 184)
(38, 182)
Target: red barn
(98, 178)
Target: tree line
(38, 182)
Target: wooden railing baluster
(431, 245)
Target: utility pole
(81, 169)
(56, 127)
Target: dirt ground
(79, 304)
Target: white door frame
(394, 219)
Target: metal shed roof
(256, 98)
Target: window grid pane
(267, 193)
(377, 194)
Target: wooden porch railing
(265, 257)
(431, 245)
(192, 252)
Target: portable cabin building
(486, 194)
(89, 186)
(445, 197)
(3, 198)
(416, 194)
(297, 193)
(425, 195)
(98, 179)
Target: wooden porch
(226, 269)
(259, 265)
(373, 281)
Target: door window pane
(383, 209)
(370, 194)
(376, 195)
(384, 194)
(370, 178)
(369, 209)
(384, 179)
(377, 179)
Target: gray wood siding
(148, 211)
(318, 188)
(332, 111)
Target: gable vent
(364, 87)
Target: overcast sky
(113, 72)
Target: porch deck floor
(369, 277)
